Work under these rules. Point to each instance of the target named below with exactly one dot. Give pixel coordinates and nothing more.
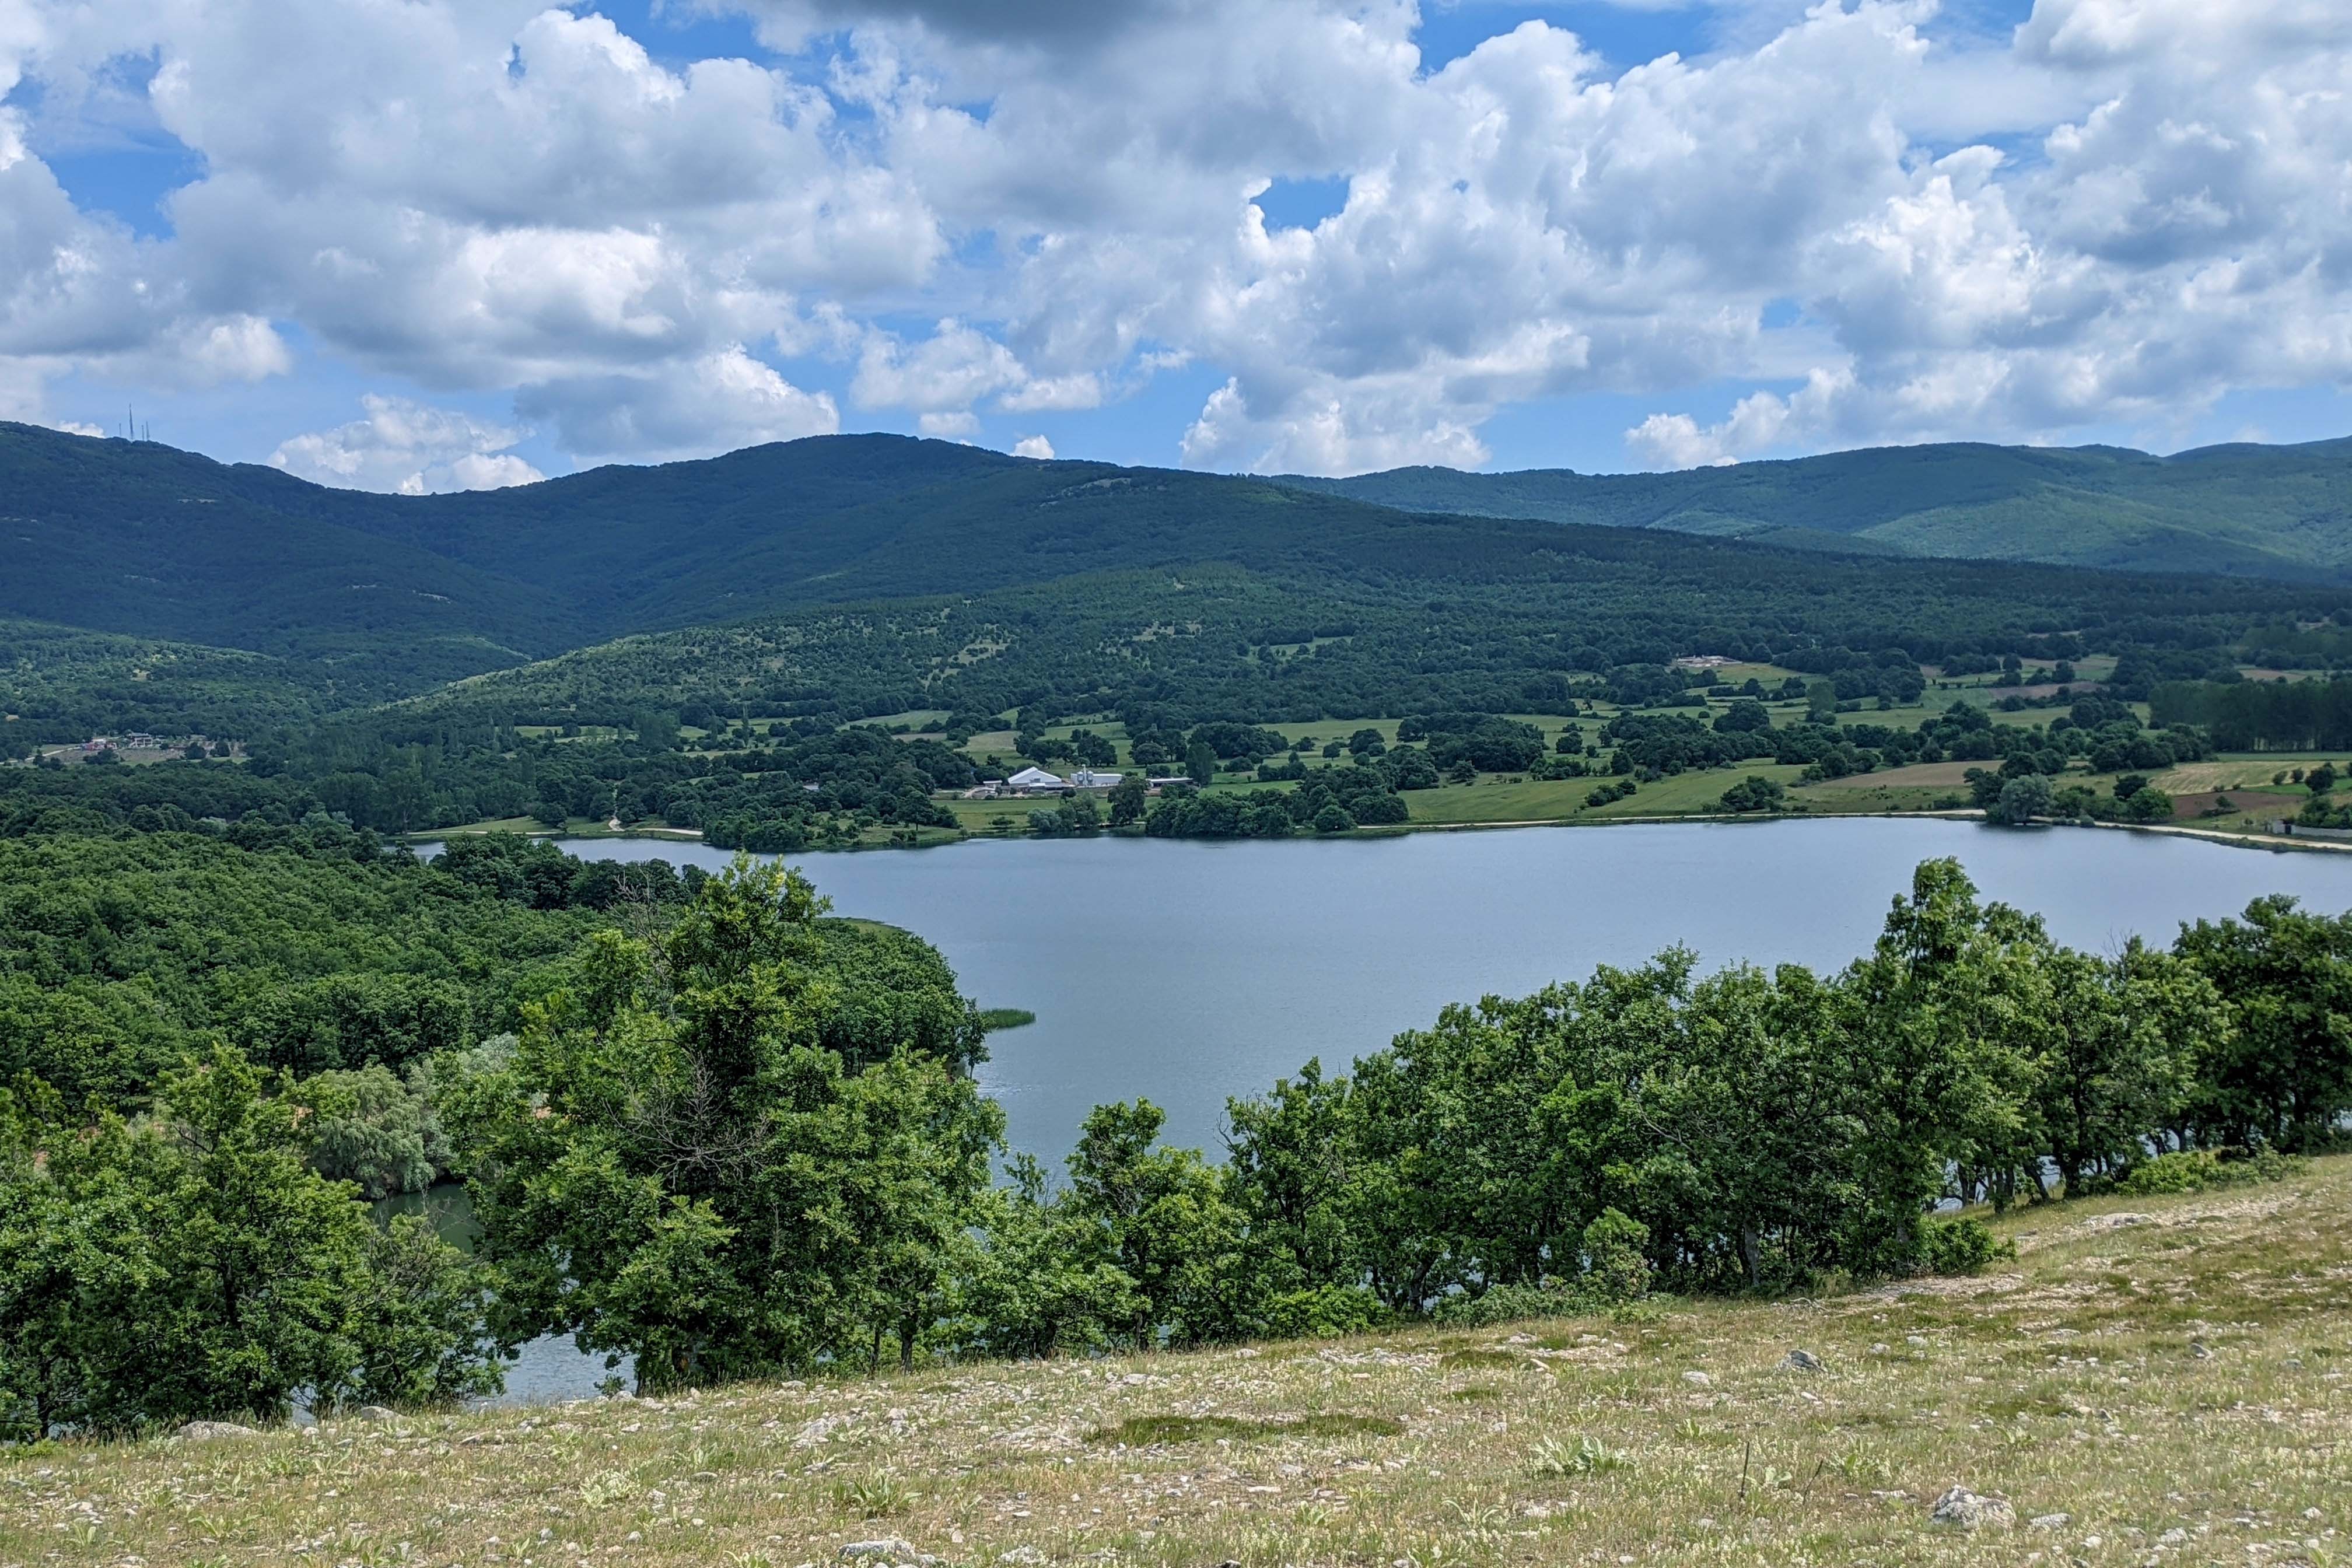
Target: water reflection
(549, 1368)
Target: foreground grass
(2173, 1376)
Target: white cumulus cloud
(1872, 219)
(713, 403)
(408, 448)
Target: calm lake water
(1187, 973)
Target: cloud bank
(1878, 225)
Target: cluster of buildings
(136, 740)
(1034, 781)
(1031, 782)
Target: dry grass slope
(2159, 1382)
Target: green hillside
(399, 593)
(408, 591)
(2283, 512)
(58, 683)
(1445, 618)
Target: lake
(1186, 972)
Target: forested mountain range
(2280, 511)
(865, 573)
(139, 538)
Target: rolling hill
(2280, 511)
(1048, 567)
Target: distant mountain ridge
(393, 595)
(2241, 509)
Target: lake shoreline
(2278, 844)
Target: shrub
(1755, 792)
(1962, 1246)
(2191, 1172)
(1616, 1258)
(2195, 1170)
(1325, 1312)
(1505, 1303)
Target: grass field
(2153, 1381)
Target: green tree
(1167, 1226)
(374, 1130)
(1035, 1277)
(193, 1265)
(2022, 799)
(2283, 1076)
(1129, 799)
(2116, 1055)
(678, 1169)
(1755, 792)
(1294, 1175)
(1939, 1039)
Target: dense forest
(712, 1129)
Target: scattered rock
(376, 1413)
(1698, 1379)
(1801, 1361)
(2200, 1350)
(818, 1428)
(203, 1431)
(2116, 1221)
(1916, 1342)
(1878, 1349)
(2050, 1520)
(2172, 1537)
(1027, 1556)
(1965, 1509)
(887, 1550)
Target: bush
(1754, 793)
(1325, 1312)
(1507, 1304)
(1616, 1258)
(1962, 1246)
(2195, 1170)
(1617, 1275)
(2189, 1172)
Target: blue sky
(449, 247)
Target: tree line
(728, 1141)
(2262, 715)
